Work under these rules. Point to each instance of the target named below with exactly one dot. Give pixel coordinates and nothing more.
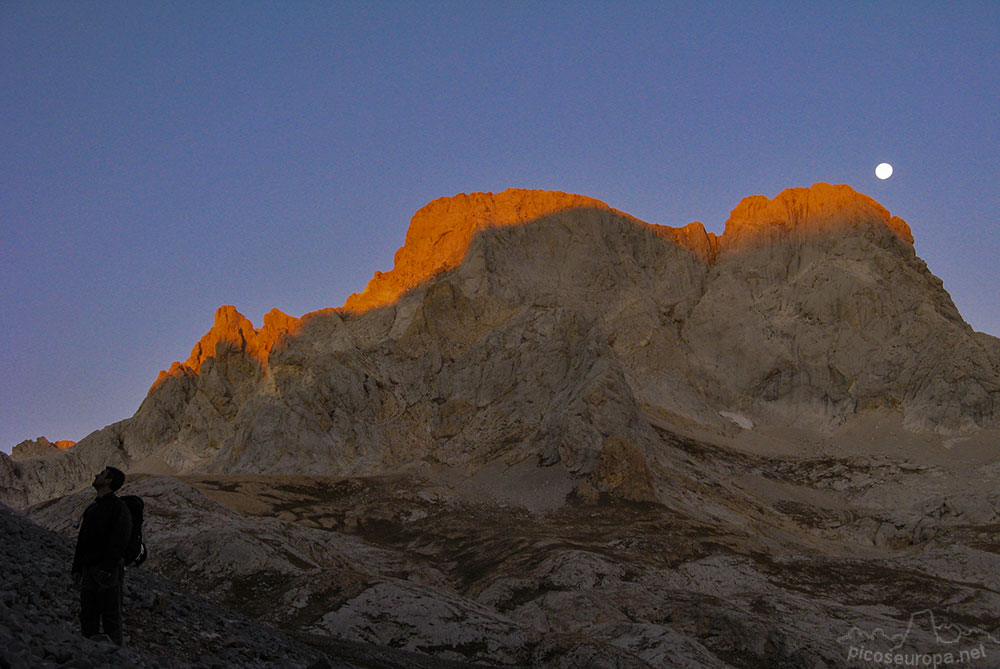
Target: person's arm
(78, 553)
(77, 558)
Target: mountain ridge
(441, 232)
(535, 324)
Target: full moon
(883, 171)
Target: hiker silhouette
(99, 564)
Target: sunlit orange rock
(693, 237)
(233, 330)
(177, 370)
(35, 448)
(796, 213)
(440, 233)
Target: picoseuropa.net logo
(924, 643)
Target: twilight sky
(158, 160)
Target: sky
(160, 159)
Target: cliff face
(835, 315)
(551, 328)
(800, 213)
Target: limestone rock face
(836, 316)
(550, 329)
(41, 478)
(440, 234)
(233, 332)
(800, 213)
(15, 492)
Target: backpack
(135, 550)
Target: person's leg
(90, 610)
(110, 600)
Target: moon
(883, 171)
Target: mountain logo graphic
(924, 642)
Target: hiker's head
(117, 477)
(111, 478)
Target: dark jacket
(104, 534)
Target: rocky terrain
(758, 561)
(554, 435)
(165, 625)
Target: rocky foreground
(756, 561)
(165, 626)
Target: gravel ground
(164, 626)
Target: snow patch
(738, 418)
(954, 441)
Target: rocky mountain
(554, 434)
(35, 448)
(541, 325)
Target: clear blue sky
(159, 159)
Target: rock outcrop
(166, 626)
(836, 316)
(39, 448)
(232, 331)
(801, 213)
(752, 560)
(537, 326)
(441, 232)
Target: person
(99, 564)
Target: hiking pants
(101, 603)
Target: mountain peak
(34, 448)
(232, 329)
(441, 231)
(811, 312)
(800, 212)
